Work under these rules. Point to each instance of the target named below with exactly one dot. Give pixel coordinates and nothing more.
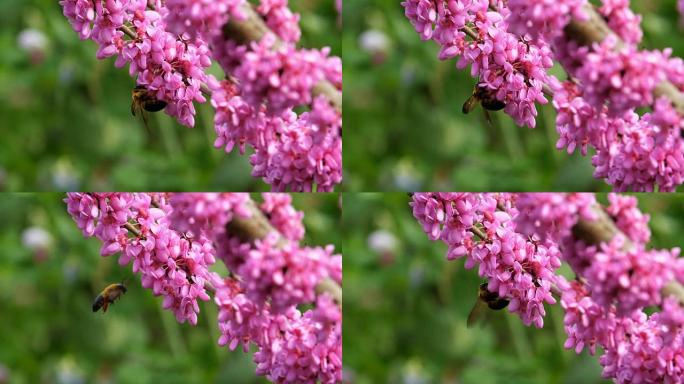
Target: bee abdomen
(498, 304)
(154, 105)
(493, 104)
(97, 304)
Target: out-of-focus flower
(34, 42)
(38, 240)
(376, 43)
(384, 243)
(4, 374)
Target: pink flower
(288, 221)
(628, 218)
(518, 268)
(203, 18)
(622, 20)
(280, 19)
(513, 70)
(543, 18)
(552, 215)
(285, 275)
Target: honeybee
(145, 100)
(107, 296)
(485, 299)
(486, 97)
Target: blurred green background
(405, 306)
(49, 276)
(65, 117)
(408, 132)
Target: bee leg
(104, 307)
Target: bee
(486, 97)
(107, 296)
(145, 100)
(485, 299)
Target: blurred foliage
(65, 117)
(49, 334)
(406, 306)
(408, 130)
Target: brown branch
(602, 230)
(470, 32)
(253, 28)
(129, 32)
(257, 227)
(132, 229)
(478, 232)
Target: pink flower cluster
(293, 152)
(282, 78)
(552, 215)
(171, 265)
(616, 276)
(273, 276)
(299, 152)
(167, 46)
(208, 213)
(204, 18)
(597, 106)
(518, 268)
(622, 77)
(638, 348)
(631, 278)
(285, 273)
(629, 218)
(282, 215)
(304, 350)
(516, 41)
(512, 69)
(169, 65)
(292, 347)
(280, 19)
(587, 324)
(621, 20)
(543, 18)
(632, 152)
(172, 239)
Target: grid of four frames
(237, 275)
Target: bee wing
(488, 117)
(469, 105)
(147, 126)
(476, 313)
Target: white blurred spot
(382, 241)
(32, 40)
(36, 238)
(374, 42)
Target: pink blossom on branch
(518, 268)
(616, 276)
(511, 44)
(172, 239)
(169, 44)
(166, 64)
(170, 264)
(512, 69)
